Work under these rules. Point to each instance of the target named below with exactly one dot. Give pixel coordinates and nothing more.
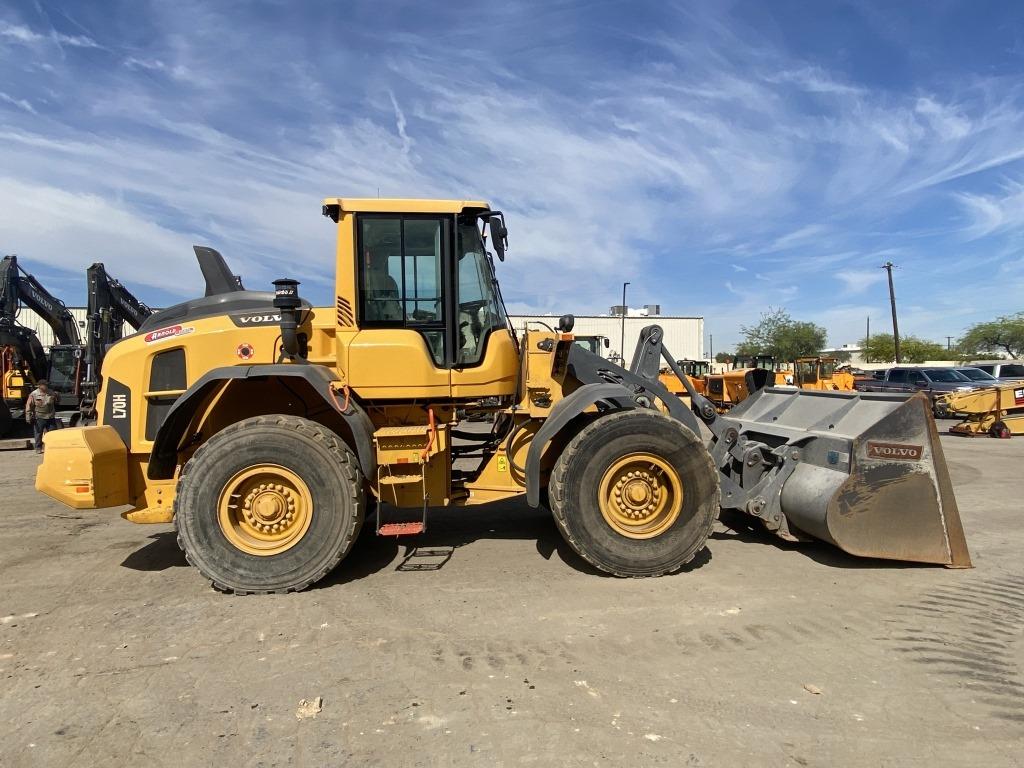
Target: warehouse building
(30, 319)
(684, 335)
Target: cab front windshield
(807, 370)
(480, 311)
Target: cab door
(403, 347)
(485, 360)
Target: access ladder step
(402, 529)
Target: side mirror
(499, 234)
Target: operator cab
(430, 274)
(416, 281)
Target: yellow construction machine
(821, 373)
(997, 411)
(267, 429)
(695, 370)
(748, 375)
(17, 380)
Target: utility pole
(949, 343)
(622, 341)
(892, 301)
(711, 346)
(867, 342)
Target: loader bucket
(862, 471)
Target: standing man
(41, 411)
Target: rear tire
(270, 504)
(635, 493)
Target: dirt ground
(497, 646)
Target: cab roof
(402, 205)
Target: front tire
(635, 493)
(270, 504)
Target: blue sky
(722, 157)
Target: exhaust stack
(287, 302)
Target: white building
(853, 350)
(684, 336)
(30, 319)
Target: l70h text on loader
(265, 428)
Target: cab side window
(401, 275)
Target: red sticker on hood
(168, 333)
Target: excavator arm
(19, 287)
(108, 295)
(8, 289)
(111, 305)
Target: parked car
(978, 375)
(935, 381)
(1001, 369)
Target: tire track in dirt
(972, 633)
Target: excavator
(269, 430)
(22, 363)
(997, 411)
(73, 363)
(110, 307)
(24, 360)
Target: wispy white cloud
(949, 122)
(400, 123)
(23, 104)
(814, 79)
(177, 71)
(801, 236)
(24, 35)
(857, 281)
(70, 230)
(992, 213)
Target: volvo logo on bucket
(895, 451)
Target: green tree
(723, 357)
(780, 335)
(881, 348)
(1002, 335)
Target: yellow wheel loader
(267, 430)
(695, 370)
(820, 373)
(747, 376)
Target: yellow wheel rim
(265, 510)
(640, 496)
